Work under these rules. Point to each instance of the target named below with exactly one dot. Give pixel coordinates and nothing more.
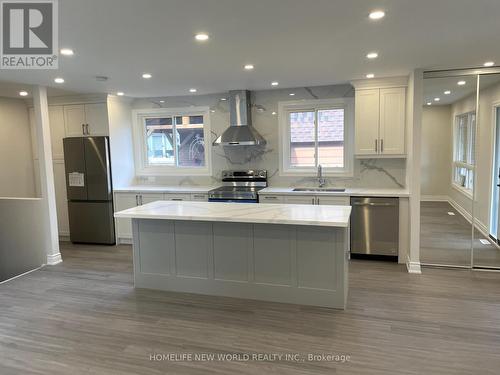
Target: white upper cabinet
(367, 104)
(392, 120)
(57, 132)
(380, 121)
(86, 119)
(74, 119)
(96, 118)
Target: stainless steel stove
(239, 186)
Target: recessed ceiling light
(119, 93)
(372, 55)
(67, 52)
(370, 75)
(437, 99)
(461, 83)
(248, 67)
(23, 93)
(212, 110)
(376, 14)
(59, 80)
(193, 90)
(489, 63)
(429, 103)
(275, 83)
(292, 94)
(223, 99)
(162, 101)
(447, 92)
(274, 113)
(201, 37)
(146, 75)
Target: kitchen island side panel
(271, 262)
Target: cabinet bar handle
(83, 129)
(381, 145)
(376, 145)
(136, 200)
(313, 200)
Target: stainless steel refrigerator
(90, 190)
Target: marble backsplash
(373, 173)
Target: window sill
(462, 190)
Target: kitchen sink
(330, 190)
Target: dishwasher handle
(372, 204)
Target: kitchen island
(273, 252)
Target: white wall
(378, 173)
(16, 160)
(121, 146)
(436, 151)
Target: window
(317, 132)
(464, 151)
(172, 141)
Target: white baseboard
(54, 259)
(434, 198)
(124, 241)
(23, 274)
(413, 267)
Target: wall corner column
(414, 126)
(47, 188)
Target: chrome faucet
(321, 179)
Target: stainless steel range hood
(240, 131)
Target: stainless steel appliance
(239, 186)
(375, 228)
(240, 131)
(89, 189)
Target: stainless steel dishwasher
(375, 228)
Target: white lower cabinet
(300, 199)
(177, 197)
(271, 199)
(144, 198)
(199, 197)
(333, 201)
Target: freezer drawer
(91, 222)
(375, 226)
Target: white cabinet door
(271, 198)
(96, 116)
(332, 201)
(300, 199)
(177, 197)
(200, 197)
(122, 202)
(57, 131)
(392, 120)
(150, 197)
(61, 198)
(74, 120)
(367, 106)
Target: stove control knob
(262, 174)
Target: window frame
(470, 150)
(142, 166)
(286, 107)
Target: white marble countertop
(347, 193)
(293, 214)
(186, 189)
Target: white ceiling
(296, 42)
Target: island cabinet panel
(155, 235)
(316, 259)
(300, 264)
(232, 247)
(274, 255)
(192, 247)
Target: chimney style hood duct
(240, 131)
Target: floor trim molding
(413, 267)
(53, 259)
(23, 274)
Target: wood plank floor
(85, 317)
(446, 239)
